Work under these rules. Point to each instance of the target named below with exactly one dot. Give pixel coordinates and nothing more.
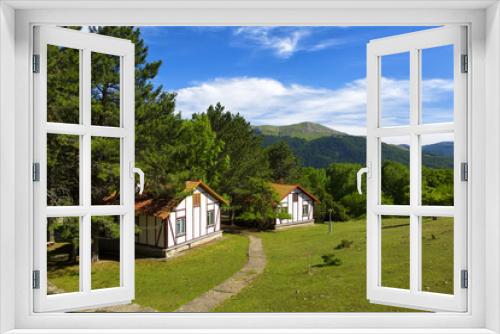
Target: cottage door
(83, 171)
(417, 100)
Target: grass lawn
(166, 285)
(296, 281)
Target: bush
(339, 213)
(344, 244)
(355, 204)
(330, 260)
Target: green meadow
(308, 269)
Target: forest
(214, 145)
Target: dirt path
(233, 285)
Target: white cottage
(175, 225)
(297, 202)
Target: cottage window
(305, 210)
(295, 197)
(210, 218)
(196, 200)
(180, 226)
(284, 209)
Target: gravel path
(233, 285)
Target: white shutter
(84, 296)
(415, 296)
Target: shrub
(330, 260)
(344, 244)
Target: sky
(286, 75)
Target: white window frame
(211, 213)
(305, 206)
(178, 232)
(16, 20)
(413, 44)
(84, 210)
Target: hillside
(304, 130)
(444, 149)
(324, 150)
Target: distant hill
(321, 151)
(304, 130)
(444, 149)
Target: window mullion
(415, 167)
(86, 239)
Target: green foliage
(437, 186)
(330, 260)
(242, 168)
(342, 179)
(396, 183)
(355, 204)
(282, 162)
(259, 204)
(316, 181)
(339, 212)
(319, 150)
(342, 186)
(344, 243)
(63, 170)
(198, 149)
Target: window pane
(63, 255)
(394, 90)
(395, 239)
(437, 254)
(437, 169)
(105, 89)
(63, 85)
(395, 173)
(105, 170)
(210, 217)
(105, 252)
(63, 170)
(180, 226)
(437, 84)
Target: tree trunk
(75, 243)
(232, 217)
(95, 250)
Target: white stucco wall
(295, 208)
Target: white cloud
(268, 101)
(325, 44)
(284, 42)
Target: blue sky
(285, 75)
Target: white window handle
(136, 170)
(358, 178)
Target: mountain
(444, 148)
(320, 151)
(304, 130)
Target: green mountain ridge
(304, 130)
(322, 149)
